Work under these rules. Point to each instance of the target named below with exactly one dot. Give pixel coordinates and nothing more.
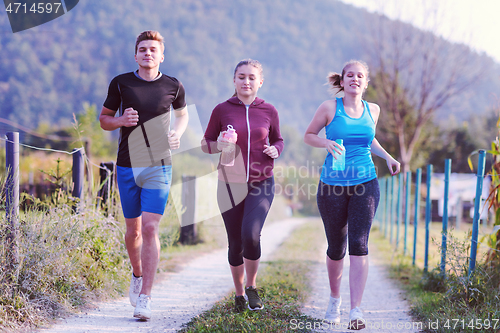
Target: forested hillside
(48, 72)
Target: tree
(417, 74)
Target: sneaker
(333, 310)
(240, 303)
(135, 289)
(356, 321)
(254, 301)
(143, 307)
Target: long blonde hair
(335, 78)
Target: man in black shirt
(144, 171)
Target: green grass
(453, 302)
(283, 284)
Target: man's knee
(133, 233)
(150, 230)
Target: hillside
(48, 72)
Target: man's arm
(109, 122)
(180, 125)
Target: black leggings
(341, 206)
(245, 220)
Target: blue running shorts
(144, 189)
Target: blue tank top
(358, 134)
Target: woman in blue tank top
(348, 194)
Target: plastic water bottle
(339, 163)
(228, 154)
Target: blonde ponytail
(334, 82)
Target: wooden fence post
(107, 175)
(12, 192)
(188, 234)
(78, 171)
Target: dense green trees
(47, 73)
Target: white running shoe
(333, 310)
(143, 307)
(356, 321)
(135, 289)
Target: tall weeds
(456, 294)
(65, 259)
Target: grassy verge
(67, 260)
(453, 302)
(283, 285)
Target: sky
(472, 22)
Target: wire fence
(395, 211)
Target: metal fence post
(407, 208)
(12, 193)
(399, 207)
(428, 204)
(418, 181)
(447, 171)
(477, 207)
(387, 204)
(381, 216)
(393, 212)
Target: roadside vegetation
(449, 302)
(454, 299)
(66, 255)
(65, 260)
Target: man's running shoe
(135, 289)
(143, 307)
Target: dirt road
(383, 303)
(178, 297)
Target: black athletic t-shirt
(146, 143)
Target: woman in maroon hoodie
(246, 189)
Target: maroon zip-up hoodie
(262, 122)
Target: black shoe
(240, 303)
(254, 301)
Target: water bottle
(228, 153)
(339, 163)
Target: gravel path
(178, 297)
(384, 307)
